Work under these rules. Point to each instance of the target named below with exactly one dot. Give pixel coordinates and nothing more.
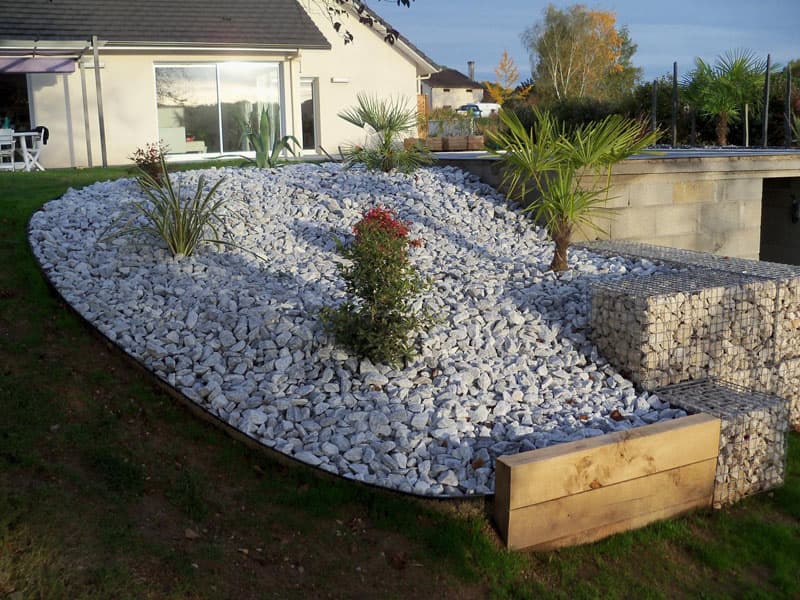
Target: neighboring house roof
(450, 78)
(251, 23)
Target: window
(203, 108)
(14, 106)
(308, 111)
(446, 89)
(469, 91)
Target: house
(109, 76)
(451, 88)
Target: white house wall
(129, 105)
(367, 65)
(454, 97)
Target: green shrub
(379, 320)
(389, 120)
(181, 221)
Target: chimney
(471, 69)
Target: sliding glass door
(203, 108)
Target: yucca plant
(388, 120)
(264, 139)
(181, 221)
(569, 170)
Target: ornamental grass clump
(379, 321)
(182, 221)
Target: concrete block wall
(704, 203)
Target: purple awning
(19, 64)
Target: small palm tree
(570, 170)
(388, 119)
(721, 90)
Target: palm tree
(570, 170)
(387, 120)
(721, 90)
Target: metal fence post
(766, 102)
(655, 106)
(787, 109)
(674, 104)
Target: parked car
(479, 109)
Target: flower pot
(455, 143)
(434, 144)
(474, 142)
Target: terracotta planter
(475, 142)
(455, 143)
(434, 144)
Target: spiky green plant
(569, 170)
(264, 139)
(388, 119)
(721, 90)
(181, 220)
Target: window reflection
(203, 108)
(245, 90)
(188, 114)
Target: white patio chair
(8, 147)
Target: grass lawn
(108, 489)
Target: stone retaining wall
(752, 444)
(733, 319)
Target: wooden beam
(585, 517)
(564, 469)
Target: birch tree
(577, 52)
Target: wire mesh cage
(712, 316)
(753, 434)
(678, 326)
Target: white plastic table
(30, 155)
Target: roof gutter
(48, 47)
(198, 47)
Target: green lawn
(108, 489)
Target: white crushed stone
(507, 367)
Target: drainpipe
(420, 79)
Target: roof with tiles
(450, 78)
(257, 23)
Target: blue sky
(455, 31)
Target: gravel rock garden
(506, 367)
